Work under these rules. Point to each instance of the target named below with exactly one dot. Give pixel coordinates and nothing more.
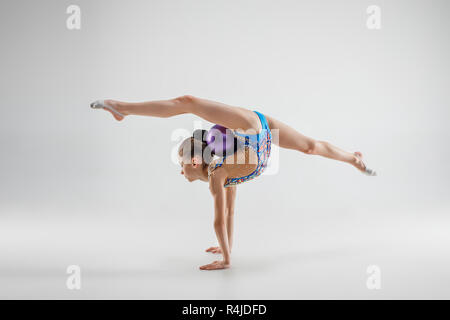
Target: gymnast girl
(251, 133)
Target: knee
(312, 146)
(186, 99)
(185, 104)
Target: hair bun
(200, 134)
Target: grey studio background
(79, 188)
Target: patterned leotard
(260, 143)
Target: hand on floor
(216, 265)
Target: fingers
(207, 266)
(212, 266)
(214, 250)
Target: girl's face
(191, 171)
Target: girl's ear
(195, 161)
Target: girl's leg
(218, 113)
(289, 138)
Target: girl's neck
(204, 174)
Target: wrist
(227, 258)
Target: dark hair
(197, 146)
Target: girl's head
(195, 155)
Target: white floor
(322, 258)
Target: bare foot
(112, 106)
(214, 250)
(118, 107)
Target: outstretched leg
(289, 138)
(218, 113)
(236, 118)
